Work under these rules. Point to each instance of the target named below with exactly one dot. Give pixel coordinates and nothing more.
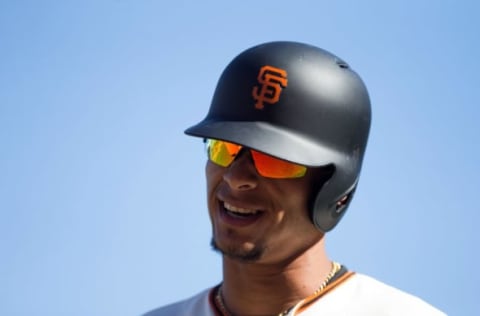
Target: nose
(241, 174)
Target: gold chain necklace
(220, 304)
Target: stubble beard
(235, 253)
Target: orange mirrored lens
(222, 153)
(272, 167)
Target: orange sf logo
(272, 80)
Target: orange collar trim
(301, 307)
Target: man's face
(259, 219)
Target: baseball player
(285, 136)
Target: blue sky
(102, 197)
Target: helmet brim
(270, 139)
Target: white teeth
(240, 210)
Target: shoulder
(198, 305)
(377, 293)
(366, 296)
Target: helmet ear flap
(329, 206)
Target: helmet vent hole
(342, 203)
(342, 64)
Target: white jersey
(357, 295)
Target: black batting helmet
(299, 103)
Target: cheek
(294, 199)
(294, 194)
(214, 176)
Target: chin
(235, 253)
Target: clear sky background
(102, 197)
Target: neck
(247, 286)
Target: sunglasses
(224, 153)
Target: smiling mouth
(239, 212)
